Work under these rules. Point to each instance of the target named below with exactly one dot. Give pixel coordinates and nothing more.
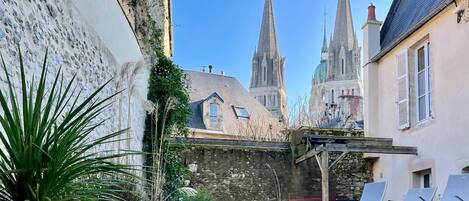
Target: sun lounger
(457, 188)
(420, 194)
(374, 192)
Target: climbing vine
(166, 82)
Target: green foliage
(166, 81)
(200, 196)
(47, 149)
(175, 175)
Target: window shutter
(403, 90)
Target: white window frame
(239, 115)
(213, 107)
(428, 88)
(422, 174)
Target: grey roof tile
(203, 85)
(404, 16)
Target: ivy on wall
(166, 81)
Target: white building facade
(416, 73)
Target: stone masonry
(234, 173)
(76, 48)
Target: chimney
(371, 12)
(371, 47)
(203, 69)
(371, 35)
(210, 68)
(222, 73)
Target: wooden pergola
(312, 142)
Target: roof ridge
(205, 73)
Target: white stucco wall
(86, 37)
(442, 141)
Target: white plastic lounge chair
(420, 194)
(374, 192)
(457, 188)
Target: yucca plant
(47, 149)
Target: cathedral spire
(268, 38)
(267, 78)
(344, 34)
(324, 42)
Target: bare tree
(261, 128)
(300, 114)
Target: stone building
(92, 39)
(267, 78)
(336, 93)
(416, 73)
(223, 109)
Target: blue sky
(224, 33)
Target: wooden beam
(309, 154)
(342, 156)
(321, 139)
(325, 175)
(369, 149)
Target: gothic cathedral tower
(336, 94)
(344, 53)
(267, 78)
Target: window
(343, 92)
(265, 73)
(213, 110)
(265, 101)
(343, 66)
(332, 96)
(426, 180)
(423, 179)
(241, 112)
(353, 92)
(423, 83)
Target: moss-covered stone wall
(249, 174)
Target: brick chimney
(371, 12)
(371, 35)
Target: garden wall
(89, 38)
(233, 172)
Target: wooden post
(325, 175)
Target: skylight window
(241, 112)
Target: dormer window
(241, 112)
(213, 110)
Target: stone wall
(141, 12)
(78, 41)
(239, 173)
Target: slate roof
(202, 85)
(404, 17)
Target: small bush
(200, 196)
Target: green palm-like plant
(47, 150)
